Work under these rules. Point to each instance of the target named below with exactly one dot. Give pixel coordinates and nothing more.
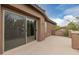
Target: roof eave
(43, 12)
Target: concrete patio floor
(51, 45)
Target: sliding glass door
(18, 30)
(14, 31)
(31, 29)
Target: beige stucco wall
(75, 39)
(50, 29)
(60, 32)
(1, 30)
(69, 33)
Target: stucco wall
(1, 30)
(69, 33)
(75, 39)
(50, 29)
(60, 32)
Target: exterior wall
(70, 33)
(75, 39)
(26, 10)
(60, 32)
(50, 29)
(1, 30)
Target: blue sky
(61, 11)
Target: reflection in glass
(14, 30)
(31, 30)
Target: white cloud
(69, 18)
(72, 11)
(65, 21)
(57, 20)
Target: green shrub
(57, 27)
(66, 33)
(73, 26)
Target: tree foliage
(57, 27)
(72, 26)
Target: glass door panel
(15, 30)
(31, 30)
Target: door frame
(35, 34)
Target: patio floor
(51, 45)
